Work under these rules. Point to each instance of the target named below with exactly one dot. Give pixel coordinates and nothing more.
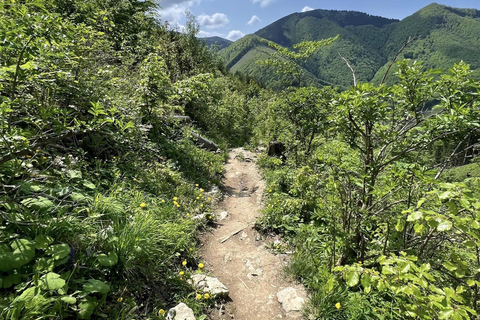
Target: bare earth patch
(236, 254)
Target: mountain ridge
(445, 35)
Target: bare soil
(238, 256)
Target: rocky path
(235, 253)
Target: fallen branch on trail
(234, 233)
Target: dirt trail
(235, 253)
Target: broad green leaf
(450, 266)
(446, 314)
(414, 216)
(89, 185)
(470, 244)
(400, 225)
(381, 285)
(58, 251)
(87, 306)
(44, 264)
(73, 174)
(388, 270)
(42, 241)
(40, 203)
(446, 195)
(465, 203)
(78, 197)
(93, 285)
(444, 226)
(418, 228)
(69, 300)
(475, 224)
(330, 284)
(22, 253)
(52, 281)
(366, 281)
(352, 277)
(108, 261)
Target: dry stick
(407, 43)
(351, 69)
(234, 233)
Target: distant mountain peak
(446, 35)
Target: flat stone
(291, 300)
(222, 215)
(180, 312)
(209, 284)
(199, 217)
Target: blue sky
(232, 19)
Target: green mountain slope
(446, 35)
(221, 43)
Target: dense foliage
(98, 181)
(101, 173)
(382, 230)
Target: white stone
(180, 312)
(209, 284)
(290, 300)
(222, 215)
(199, 217)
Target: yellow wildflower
(201, 190)
(208, 199)
(206, 296)
(196, 185)
(161, 312)
(198, 198)
(181, 273)
(120, 299)
(201, 265)
(359, 262)
(175, 198)
(201, 206)
(191, 249)
(163, 201)
(28, 156)
(338, 305)
(184, 263)
(44, 158)
(143, 205)
(270, 190)
(199, 296)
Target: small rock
(209, 284)
(213, 191)
(180, 312)
(290, 300)
(199, 217)
(222, 215)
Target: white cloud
(263, 3)
(206, 34)
(253, 19)
(235, 35)
(216, 20)
(173, 11)
(307, 8)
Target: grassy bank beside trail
(99, 181)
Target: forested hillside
(106, 179)
(445, 35)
